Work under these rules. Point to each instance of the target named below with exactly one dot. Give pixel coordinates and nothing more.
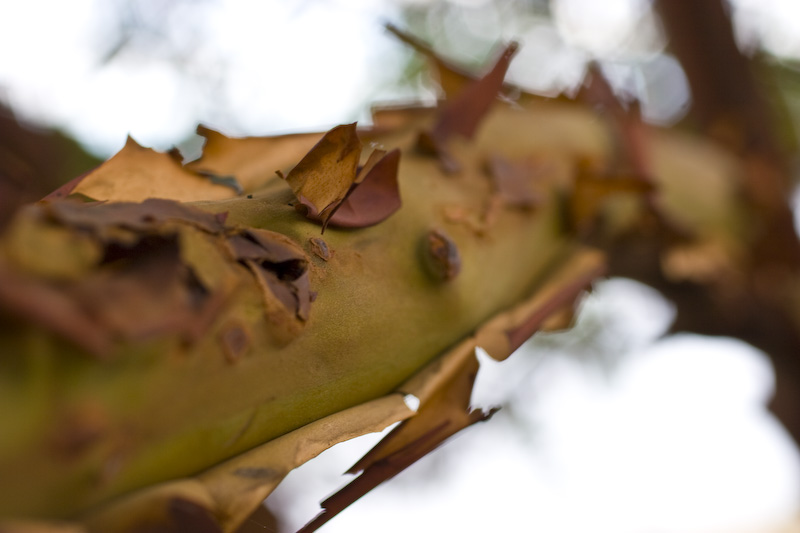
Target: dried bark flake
(441, 256)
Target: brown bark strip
(375, 195)
(461, 115)
(440, 417)
(452, 78)
(322, 179)
(628, 130)
(251, 160)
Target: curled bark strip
(461, 115)
(373, 199)
(322, 179)
(140, 287)
(452, 78)
(252, 161)
(230, 491)
(150, 275)
(148, 215)
(439, 417)
(136, 173)
(506, 332)
(279, 264)
(66, 189)
(54, 310)
(333, 190)
(630, 133)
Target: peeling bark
(174, 347)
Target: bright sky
(677, 439)
(252, 67)
(285, 66)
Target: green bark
(79, 431)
